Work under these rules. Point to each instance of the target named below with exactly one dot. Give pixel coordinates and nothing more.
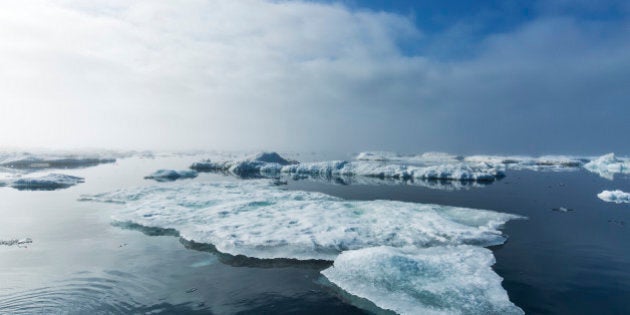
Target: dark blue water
(575, 262)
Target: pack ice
(616, 196)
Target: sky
(511, 77)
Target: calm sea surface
(575, 262)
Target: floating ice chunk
(437, 280)
(19, 242)
(327, 168)
(47, 182)
(429, 158)
(616, 196)
(264, 162)
(171, 175)
(542, 163)
(256, 219)
(32, 161)
(454, 171)
(608, 165)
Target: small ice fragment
(171, 175)
(616, 196)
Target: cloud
(298, 75)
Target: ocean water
(555, 262)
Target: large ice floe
(45, 182)
(436, 280)
(257, 219)
(171, 175)
(608, 165)
(409, 254)
(616, 196)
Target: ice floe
(616, 196)
(171, 175)
(436, 280)
(34, 161)
(16, 242)
(423, 159)
(255, 166)
(260, 220)
(264, 162)
(457, 171)
(46, 182)
(608, 165)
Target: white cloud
(253, 74)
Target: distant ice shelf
(616, 196)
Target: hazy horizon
(546, 77)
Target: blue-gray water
(575, 262)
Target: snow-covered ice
(608, 165)
(257, 219)
(171, 175)
(436, 280)
(616, 196)
(46, 182)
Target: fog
(291, 75)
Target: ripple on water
(107, 292)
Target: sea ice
(542, 163)
(436, 280)
(31, 161)
(608, 165)
(46, 182)
(19, 242)
(454, 171)
(171, 175)
(257, 219)
(616, 196)
(263, 162)
(429, 158)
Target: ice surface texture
(616, 196)
(171, 175)
(436, 280)
(256, 219)
(46, 182)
